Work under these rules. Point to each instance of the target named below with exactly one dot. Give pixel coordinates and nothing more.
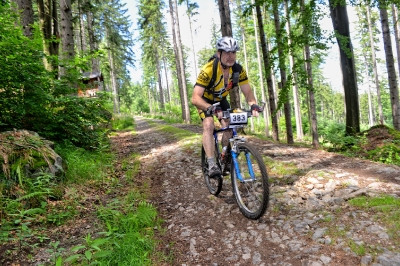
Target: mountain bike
(248, 172)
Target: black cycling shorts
(224, 104)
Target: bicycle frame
(234, 138)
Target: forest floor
(309, 220)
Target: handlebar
(226, 114)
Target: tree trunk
(271, 94)
(92, 42)
(67, 34)
(171, 8)
(375, 68)
(340, 23)
(162, 102)
(82, 34)
(113, 82)
(27, 20)
(260, 73)
(225, 15)
(312, 113)
(396, 30)
(179, 61)
(166, 73)
(284, 93)
(189, 10)
(55, 42)
(45, 22)
(296, 98)
(184, 95)
(371, 121)
(394, 91)
(226, 30)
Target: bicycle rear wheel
(213, 184)
(252, 190)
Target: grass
(185, 138)
(131, 166)
(129, 221)
(281, 172)
(123, 122)
(385, 209)
(84, 164)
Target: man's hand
(215, 110)
(256, 109)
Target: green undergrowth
(123, 225)
(282, 172)
(385, 209)
(379, 143)
(128, 239)
(123, 122)
(188, 139)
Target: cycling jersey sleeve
(205, 75)
(243, 79)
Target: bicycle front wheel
(214, 184)
(250, 181)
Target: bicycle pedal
(216, 176)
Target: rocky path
(308, 221)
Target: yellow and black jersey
(218, 90)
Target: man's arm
(248, 93)
(197, 99)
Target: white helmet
(227, 44)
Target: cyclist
(215, 87)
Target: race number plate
(238, 118)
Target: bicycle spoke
(252, 192)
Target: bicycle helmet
(227, 44)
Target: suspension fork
(237, 168)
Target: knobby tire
(251, 196)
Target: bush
(32, 98)
(334, 136)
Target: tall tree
(374, 66)
(260, 72)
(393, 87)
(158, 69)
(309, 26)
(191, 11)
(340, 23)
(45, 11)
(92, 20)
(177, 64)
(293, 81)
(180, 68)
(27, 20)
(67, 35)
(184, 96)
(113, 74)
(267, 67)
(284, 93)
(396, 31)
(118, 43)
(226, 30)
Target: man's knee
(208, 124)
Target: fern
(146, 214)
(33, 195)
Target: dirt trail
(308, 221)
